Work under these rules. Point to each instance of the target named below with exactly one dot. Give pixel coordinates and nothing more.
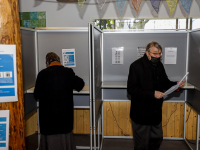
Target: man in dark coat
(54, 90)
(146, 81)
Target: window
(195, 23)
(148, 24)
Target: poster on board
(68, 58)
(4, 129)
(117, 55)
(8, 74)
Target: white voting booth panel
(114, 76)
(96, 76)
(107, 81)
(193, 96)
(37, 43)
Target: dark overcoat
(54, 90)
(145, 108)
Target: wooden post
(10, 34)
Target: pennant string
(120, 5)
(101, 3)
(155, 4)
(186, 5)
(136, 4)
(172, 5)
(80, 3)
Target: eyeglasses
(159, 54)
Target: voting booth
(102, 59)
(71, 43)
(179, 108)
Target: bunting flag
(186, 5)
(155, 4)
(101, 3)
(136, 4)
(120, 5)
(172, 5)
(80, 3)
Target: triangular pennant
(155, 4)
(172, 5)
(80, 3)
(186, 5)
(136, 4)
(101, 3)
(120, 5)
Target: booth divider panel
(122, 94)
(131, 41)
(81, 121)
(191, 118)
(28, 58)
(97, 68)
(193, 59)
(81, 100)
(31, 124)
(193, 98)
(56, 41)
(81, 116)
(117, 113)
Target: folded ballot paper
(175, 87)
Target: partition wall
(106, 89)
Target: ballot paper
(175, 87)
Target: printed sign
(8, 74)
(117, 55)
(4, 129)
(68, 57)
(170, 55)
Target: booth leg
(197, 140)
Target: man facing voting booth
(146, 81)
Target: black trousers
(147, 137)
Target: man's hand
(182, 84)
(159, 94)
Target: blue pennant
(155, 4)
(120, 5)
(186, 5)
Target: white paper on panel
(117, 55)
(170, 55)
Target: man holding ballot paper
(147, 80)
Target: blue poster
(4, 129)
(68, 56)
(7, 92)
(3, 132)
(8, 73)
(6, 70)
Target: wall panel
(173, 123)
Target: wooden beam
(10, 34)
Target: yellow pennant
(136, 4)
(172, 5)
(80, 3)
